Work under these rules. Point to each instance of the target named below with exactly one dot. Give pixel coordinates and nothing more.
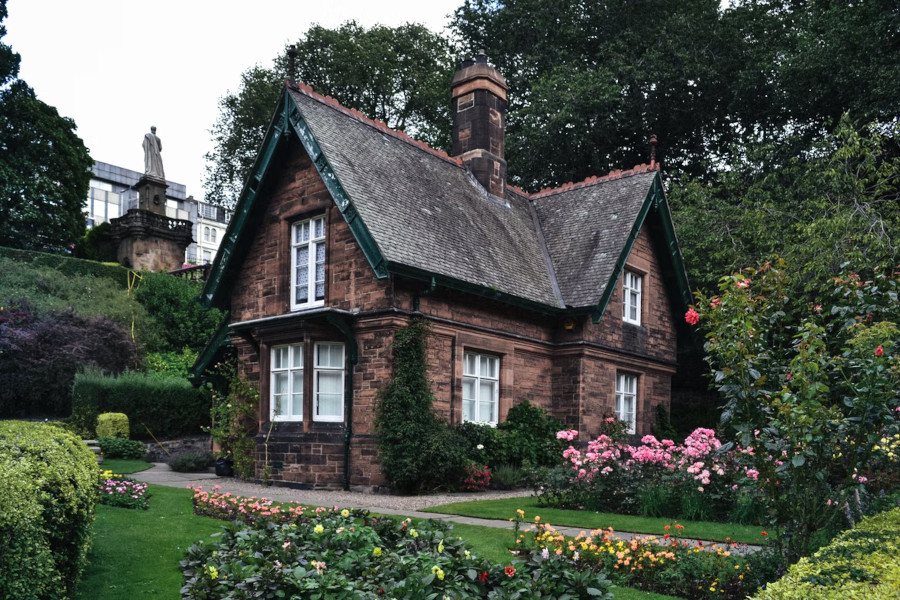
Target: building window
(207, 257)
(328, 382)
(212, 235)
(308, 263)
(481, 387)
(632, 303)
(626, 399)
(206, 234)
(287, 383)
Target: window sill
(311, 305)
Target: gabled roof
(418, 213)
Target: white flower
(480, 447)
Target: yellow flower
(441, 547)
(345, 513)
(437, 571)
(414, 533)
(213, 573)
(319, 529)
(377, 551)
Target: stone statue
(153, 166)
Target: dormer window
(308, 263)
(632, 298)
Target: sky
(119, 66)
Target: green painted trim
(219, 338)
(436, 279)
(213, 289)
(656, 201)
(360, 232)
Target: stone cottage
(569, 298)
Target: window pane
(301, 233)
(279, 357)
(298, 356)
(281, 383)
(468, 410)
(279, 405)
(297, 409)
(330, 355)
(329, 394)
(471, 364)
(319, 225)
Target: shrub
(416, 448)
(124, 492)
(40, 355)
(48, 489)
(112, 425)
(477, 478)
(173, 303)
(122, 448)
(233, 412)
(347, 554)
(507, 477)
(167, 407)
(171, 364)
(529, 436)
(191, 461)
(860, 564)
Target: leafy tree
(399, 75)
(44, 165)
(812, 389)
(819, 207)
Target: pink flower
(742, 283)
(715, 302)
(692, 316)
(879, 350)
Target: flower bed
(331, 553)
(124, 492)
(667, 565)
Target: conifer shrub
(417, 449)
(112, 425)
(48, 489)
(166, 407)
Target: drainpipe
(352, 360)
(431, 288)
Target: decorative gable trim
(287, 118)
(654, 205)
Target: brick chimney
(478, 104)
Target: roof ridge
(593, 180)
(307, 90)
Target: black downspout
(348, 431)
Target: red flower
(789, 376)
(742, 283)
(483, 576)
(692, 316)
(879, 350)
(510, 571)
(763, 533)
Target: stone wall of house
(566, 366)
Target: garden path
(406, 506)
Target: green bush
(171, 364)
(860, 564)
(66, 265)
(507, 477)
(191, 461)
(115, 447)
(168, 407)
(48, 489)
(529, 435)
(112, 425)
(416, 448)
(173, 303)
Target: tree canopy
(44, 165)
(399, 75)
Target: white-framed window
(212, 234)
(328, 382)
(631, 312)
(207, 257)
(206, 234)
(626, 399)
(481, 387)
(308, 263)
(286, 388)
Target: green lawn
(124, 466)
(136, 553)
(506, 509)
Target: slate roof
(426, 214)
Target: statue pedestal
(151, 194)
(150, 241)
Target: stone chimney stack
(478, 104)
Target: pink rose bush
(655, 477)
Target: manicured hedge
(48, 489)
(168, 406)
(860, 564)
(68, 265)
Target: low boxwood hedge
(860, 564)
(48, 489)
(169, 407)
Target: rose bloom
(692, 316)
(879, 351)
